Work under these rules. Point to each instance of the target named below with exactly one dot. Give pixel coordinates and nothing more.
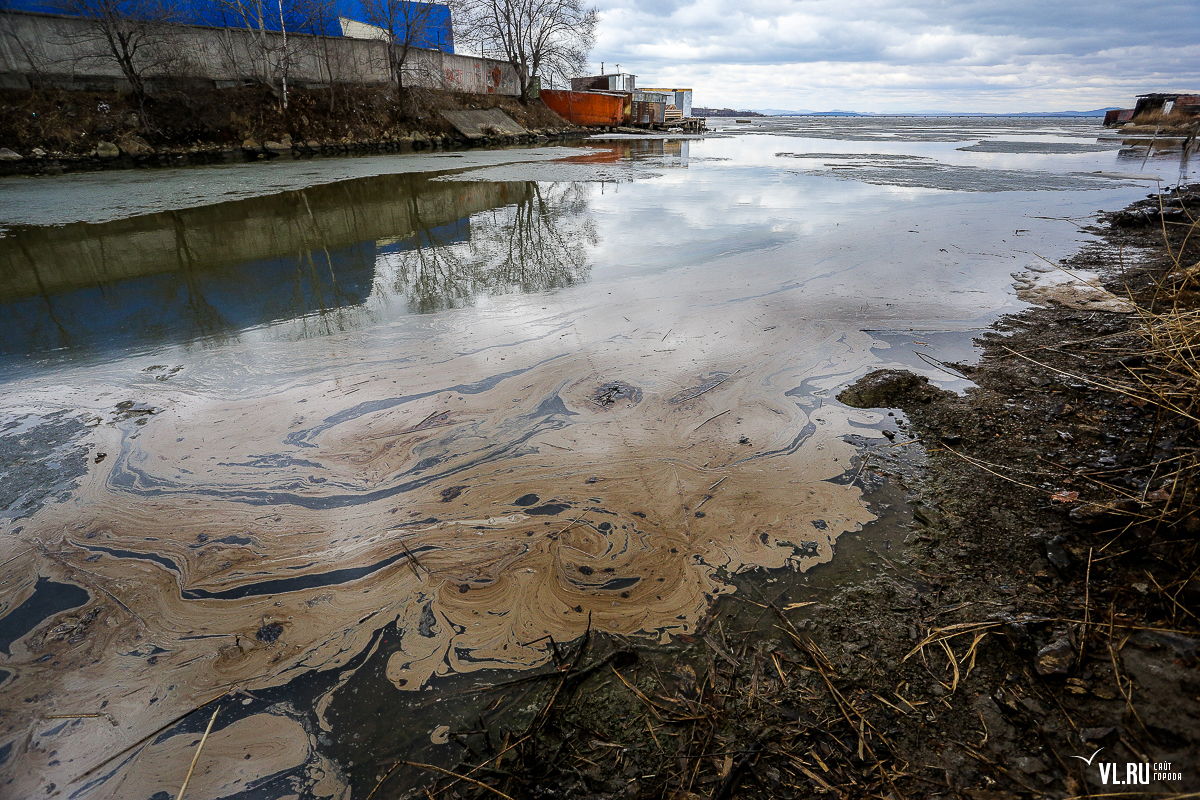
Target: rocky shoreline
(56, 132)
(128, 154)
(1036, 634)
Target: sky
(905, 56)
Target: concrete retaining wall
(64, 51)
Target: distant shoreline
(939, 115)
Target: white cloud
(876, 55)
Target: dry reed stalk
(196, 757)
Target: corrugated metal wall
(434, 28)
(586, 108)
(648, 112)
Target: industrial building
(613, 99)
(1180, 106)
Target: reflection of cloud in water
(921, 172)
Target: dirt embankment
(54, 131)
(1038, 634)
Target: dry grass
(1165, 120)
(1169, 329)
(761, 720)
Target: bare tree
(135, 34)
(543, 38)
(405, 24)
(19, 48)
(320, 20)
(269, 55)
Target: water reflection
(663, 152)
(317, 255)
(533, 245)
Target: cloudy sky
(905, 55)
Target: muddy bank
(50, 131)
(1035, 635)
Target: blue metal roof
(437, 33)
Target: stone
(277, 147)
(884, 387)
(1034, 707)
(999, 730)
(1029, 765)
(1095, 734)
(38, 152)
(107, 150)
(9, 155)
(1055, 658)
(1057, 554)
(134, 146)
(249, 143)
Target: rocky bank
(51, 131)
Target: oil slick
(474, 506)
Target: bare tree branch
(548, 39)
(135, 34)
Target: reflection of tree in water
(537, 244)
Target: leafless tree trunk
(544, 38)
(24, 51)
(320, 19)
(135, 34)
(403, 25)
(269, 60)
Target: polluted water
(298, 456)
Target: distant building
(679, 103)
(613, 82)
(1167, 104)
(591, 101)
(336, 18)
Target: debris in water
(269, 633)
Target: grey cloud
(909, 54)
(880, 31)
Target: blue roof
(437, 33)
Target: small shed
(612, 82)
(681, 99)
